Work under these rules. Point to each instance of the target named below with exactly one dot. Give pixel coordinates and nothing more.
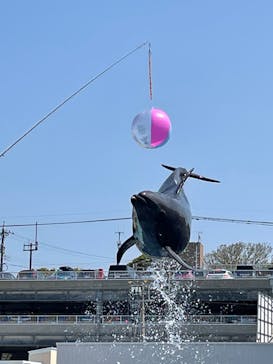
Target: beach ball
(151, 128)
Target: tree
(141, 262)
(240, 253)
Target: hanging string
(150, 72)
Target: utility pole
(4, 234)
(31, 247)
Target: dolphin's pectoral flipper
(125, 246)
(175, 256)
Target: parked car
(184, 275)
(199, 273)
(219, 274)
(66, 274)
(144, 274)
(121, 271)
(63, 273)
(31, 274)
(90, 274)
(243, 271)
(6, 275)
(261, 273)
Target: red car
(187, 274)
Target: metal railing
(135, 275)
(122, 319)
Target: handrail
(123, 319)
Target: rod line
(70, 97)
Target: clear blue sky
(213, 75)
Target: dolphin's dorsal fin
(183, 180)
(125, 246)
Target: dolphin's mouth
(142, 199)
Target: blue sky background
(213, 75)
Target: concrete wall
(18, 362)
(156, 353)
(45, 355)
(49, 334)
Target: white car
(219, 274)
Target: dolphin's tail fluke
(125, 246)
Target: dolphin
(162, 220)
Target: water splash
(161, 307)
(177, 302)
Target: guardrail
(122, 319)
(135, 275)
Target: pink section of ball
(160, 127)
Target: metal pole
(30, 257)
(143, 331)
(2, 249)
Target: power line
(17, 265)
(70, 97)
(64, 250)
(70, 222)
(205, 218)
(74, 251)
(236, 221)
